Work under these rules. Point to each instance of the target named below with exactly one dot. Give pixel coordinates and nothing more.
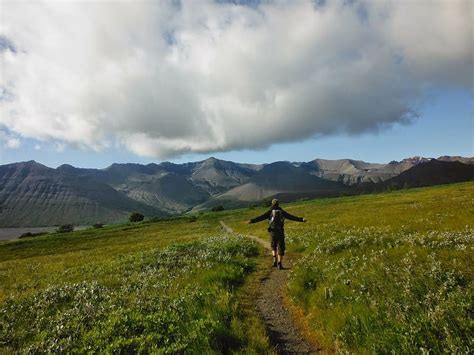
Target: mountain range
(32, 194)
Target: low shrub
(29, 234)
(136, 217)
(66, 228)
(192, 219)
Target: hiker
(276, 221)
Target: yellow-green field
(385, 273)
(156, 287)
(375, 273)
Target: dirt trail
(283, 333)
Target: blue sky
(181, 81)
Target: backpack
(277, 220)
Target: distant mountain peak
(416, 160)
(465, 160)
(211, 161)
(31, 164)
(66, 167)
(118, 165)
(278, 166)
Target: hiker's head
(275, 203)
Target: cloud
(9, 141)
(13, 143)
(168, 78)
(60, 147)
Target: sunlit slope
(272, 179)
(447, 207)
(384, 273)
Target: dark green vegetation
(386, 273)
(29, 234)
(66, 228)
(376, 273)
(136, 217)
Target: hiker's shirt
(268, 215)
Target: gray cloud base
(163, 80)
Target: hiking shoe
(280, 266)
(274, 264)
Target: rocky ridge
(32, 194)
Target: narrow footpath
(283, 333)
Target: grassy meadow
(162, 287)
(385, 273)
(373, 274)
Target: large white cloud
(164, 78)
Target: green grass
(162, 287)
(385, 273)
(30, 264)
(374, 274)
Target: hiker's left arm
(293, 218)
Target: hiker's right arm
(264, 216)
(293, 218)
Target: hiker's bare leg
(274, 255)
(281, 251)
(280, 264)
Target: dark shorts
(278, 242)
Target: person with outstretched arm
(276, 222)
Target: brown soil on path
(284, 335)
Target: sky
(91, 83)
